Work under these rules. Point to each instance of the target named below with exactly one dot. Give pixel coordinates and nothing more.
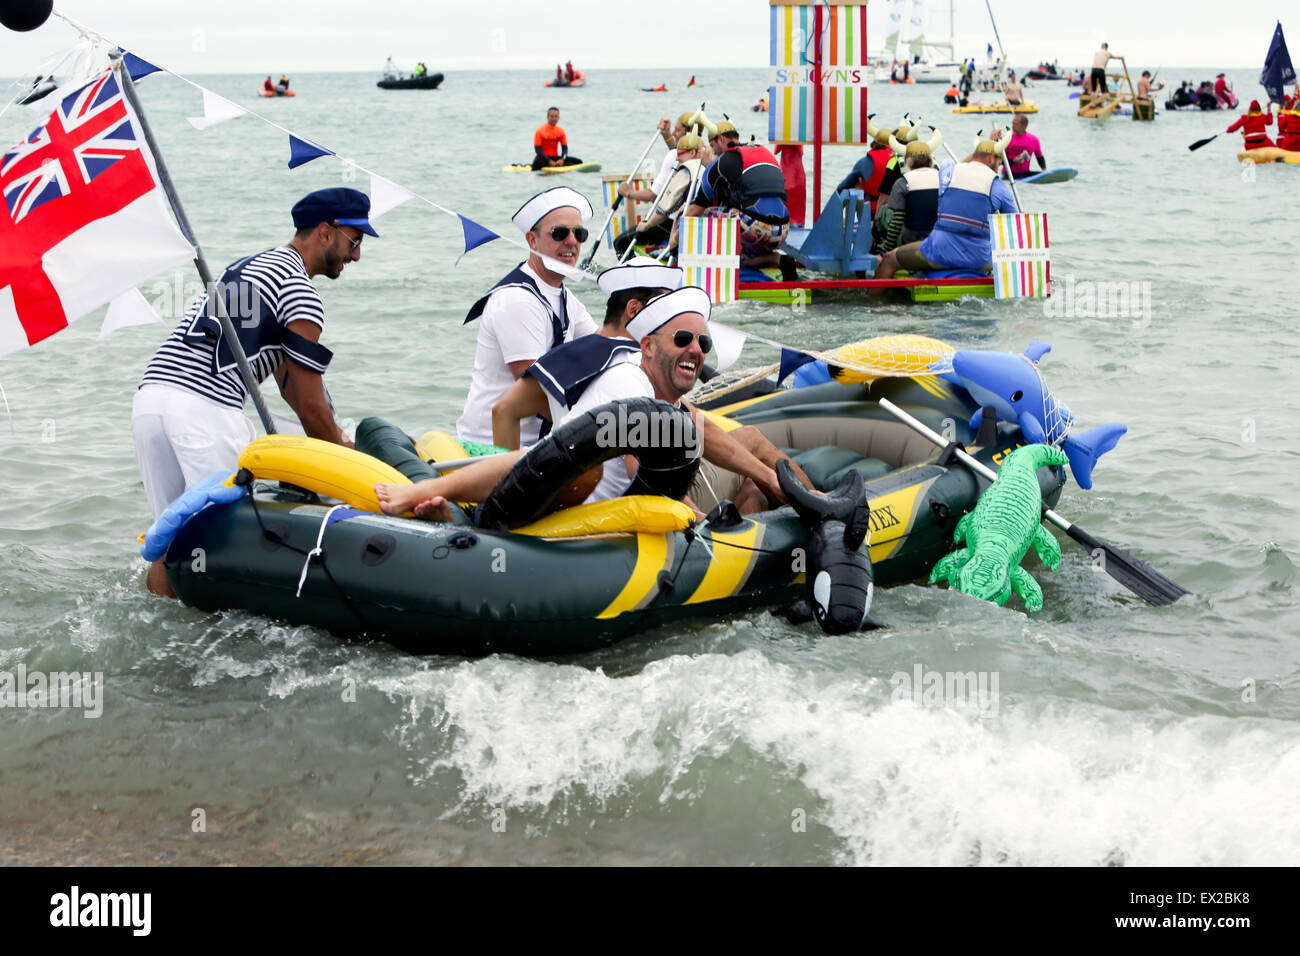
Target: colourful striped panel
(1021, 255)
(630, 212)
(709, 254)
(844, 60)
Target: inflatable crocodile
(1003, 526)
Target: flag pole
(200, 263)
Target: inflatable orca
(1012, 385)
(839, 568)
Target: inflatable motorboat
(579, 79)
(313, 550)
(430, 81)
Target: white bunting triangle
(216, 109)
(385, 195)
(727, 345)
(129, 308)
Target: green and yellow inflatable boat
(305, 543)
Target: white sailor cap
(662, 310)
(533, 211)
(640, 272)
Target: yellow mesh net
(883, 356)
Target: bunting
(216, 109)
(303, 151)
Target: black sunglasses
(684, 337)
(560, 233)
(352, 243)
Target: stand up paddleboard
(553, 170)
(1048, 176)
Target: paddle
(1201, 142)
(1136, 575)
(617, 202)
(442, 467)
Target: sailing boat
(906, 44)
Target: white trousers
(181, 437)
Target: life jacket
(922, 199)
(518, 279)
(894, 170)
(965, 205)
(880, 157)
(748, 174)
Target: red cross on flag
(83, 219)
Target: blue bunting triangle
(301, 151)
(792, 360)
(475, 235)
(137, 67)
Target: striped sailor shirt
(263, 294)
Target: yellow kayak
(1269, 154)
(1028, 106)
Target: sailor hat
(659, 312)
(640, 272)
(537, 208)
(347, 207)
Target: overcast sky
(257, 36)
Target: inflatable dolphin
(839, 569)
(1013, 386)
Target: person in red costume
(1221, 91)
(796, 181)
(1288, 123)
(1252, 126)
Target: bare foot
(396, 499)
(433, 509)
(399, 500)
(157, 581)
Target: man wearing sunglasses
(558, 378)
(528, 312)
(187, 419)
(673, 333)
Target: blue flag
(790, 361)
(475, 235)
(302, 151)
(1278, 73)
(137, 66)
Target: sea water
(1097, 731)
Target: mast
(817, 110)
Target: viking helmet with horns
(996, 147)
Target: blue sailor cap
(347, 207)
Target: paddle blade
(1135, 574)
(1201, 142)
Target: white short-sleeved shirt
(624, 380)
(514, 327)
(665, 171)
